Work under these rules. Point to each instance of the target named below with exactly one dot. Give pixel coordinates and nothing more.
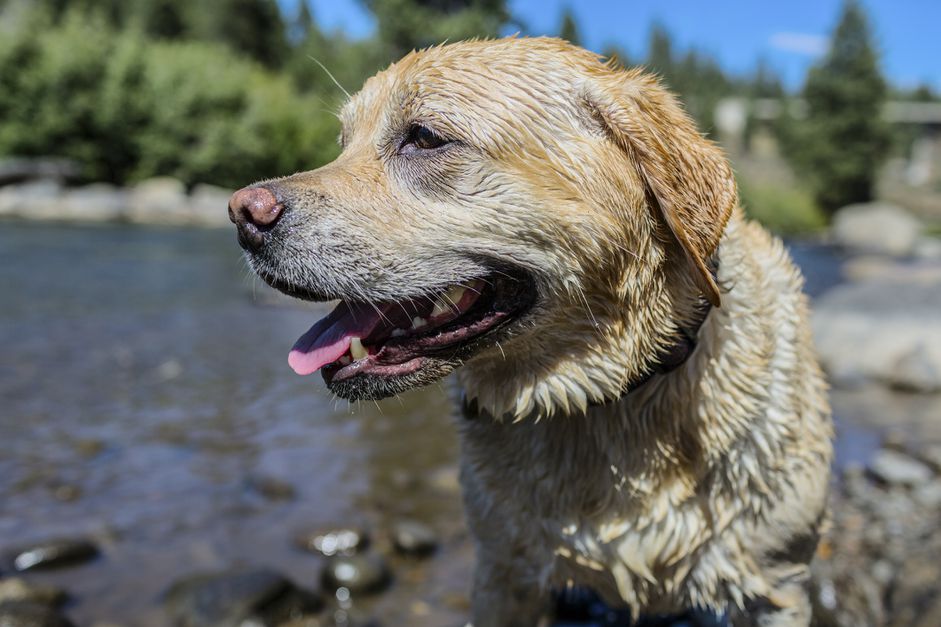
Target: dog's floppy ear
(687, 177)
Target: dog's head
(514, 206)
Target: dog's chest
(584, 504)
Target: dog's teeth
(346, 360)
(447, 302)
(455, 293)
(418, 323)
(440, 309)
(357, 350)
(398, 332)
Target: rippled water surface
(144, 384)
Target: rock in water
(17, 589)
(917, 371)
(52, 554)
(885, 330)
(893, 468)
(365, 573)
(259, 597)
(28, 614)
(271, 488)
(414, 538)
(876, 227)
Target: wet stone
(364, 573)
(29, 614)
(893, 468)
(341, 541)
(414, 538)
(271, 488)
(254, 597)
(50, 554)
(18, 589)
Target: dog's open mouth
(399, 339)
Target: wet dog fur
(704, 487)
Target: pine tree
(304, 22)
(405, 25)
(843, 140)
(569, 29)
(660, 52)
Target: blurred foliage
(406, 25)
(249, 27)
(785, 209)
(843, 139)
(128, 107)
(569, 29)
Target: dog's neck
(603, 358)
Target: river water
(144, 389)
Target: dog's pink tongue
(330, 338)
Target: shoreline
(162, 201)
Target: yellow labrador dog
(643, 411)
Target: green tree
(303, 22)
(844, 139)
(254, 28)
(660, 51)
(569, 28)
(406, 25)
(694, 76)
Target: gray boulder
(209, 205)
(39, 200)
(876, 227)
(161, 200)
(894, 468)
(884, 330)
(98, 202)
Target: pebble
(363, 573)
(29, 614)
(57, 553)
(895, 468)
(931, 455)
(340, 541)
(248, 597)
(18, 589)
(271, 488)
(411, 537)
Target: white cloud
(800, 43)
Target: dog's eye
(422, 138)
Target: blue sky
(789, 35)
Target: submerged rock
(17, 589)
(894, 468)
(253, 597)
(882, 330)
(29, 614)
(876, 227)
(364, 573)
(57, 553)
(411, 537)
(271, 488)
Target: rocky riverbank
(876, 566)
(158, 201)
(883, 325)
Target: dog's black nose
(254, 210)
